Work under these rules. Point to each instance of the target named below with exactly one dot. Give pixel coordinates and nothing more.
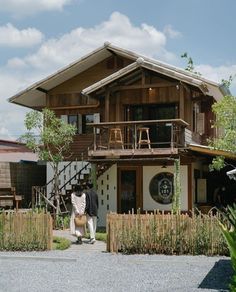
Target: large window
(80, 122)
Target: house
(134, 117)
(19, 171)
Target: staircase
(71, 173)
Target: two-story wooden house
(134, 116)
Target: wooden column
(47, 101)
(181, 102)
(143, 90)
(107, 106)
(118, 106)
(190, 194)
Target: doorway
(129, 187)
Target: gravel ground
(90, 268)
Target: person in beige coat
(78, 200)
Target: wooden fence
(25, 231)
(165, 234)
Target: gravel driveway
(90, 268)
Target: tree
(49, 137)
(177, 187)
(190, 66)
(225, 125)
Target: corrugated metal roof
(207, 88)
(34, 96)
(210, 151)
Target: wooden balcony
(137, 138)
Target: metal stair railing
(64, 168)
(74, 176)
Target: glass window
(80, 121)
(87, 119)
(73, 120)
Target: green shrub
(228, 228)
(61, 243)
(25, 231)
(161, 233)
(62, 222)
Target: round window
(161, 188)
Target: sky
(39, 37)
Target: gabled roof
(13, 151)
(35, 95)
(207, 87)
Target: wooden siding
(140, 87)
(79, 147)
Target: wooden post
(107, 106)
(181, 102)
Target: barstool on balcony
(115, 138)
(144, 139)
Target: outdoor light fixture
(164, 165)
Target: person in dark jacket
(91, 211)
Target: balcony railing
(127, 138)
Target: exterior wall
(5, 175)
(107, 192)
(26, 176)
(149, 172)
(67, 173)
(22, 176)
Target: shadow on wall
(219, 276)
(24, 175)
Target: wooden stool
(144, 137)
(115, 137)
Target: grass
(100, 234)
(61, 243)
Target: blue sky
(39, 37)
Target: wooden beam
(142, 86)
(42, 90)
(75, 106)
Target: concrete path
(98, 246)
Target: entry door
(129, 189)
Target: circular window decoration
(161, 187)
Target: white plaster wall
(149, 172)
(69, 172)
(107, 193)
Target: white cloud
(219, 73)
(117, 29)
(27, 7)
(172, 33)
(10, 36)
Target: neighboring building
(19, 169)
(144, 114)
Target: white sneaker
(92, 241)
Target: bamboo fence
(165, 234)
(25, 231)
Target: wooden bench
(8, 198)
